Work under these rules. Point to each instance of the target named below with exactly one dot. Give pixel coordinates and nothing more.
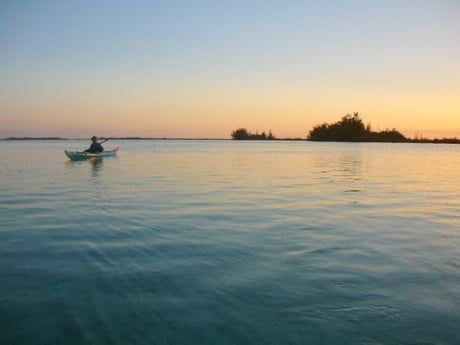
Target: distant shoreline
(416, 141)
(112, 138)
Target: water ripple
(190, 242)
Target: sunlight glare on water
(230, 242)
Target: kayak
(79, 155)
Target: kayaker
(95, 146)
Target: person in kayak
(95, 146)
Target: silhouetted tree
(390, 136)
(349, 128)
(240, 134)
(352, 128)
(244, 134)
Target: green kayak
(79, 155)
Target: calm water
(223, 242)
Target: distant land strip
(407, 140)
(111, 138)
(418, 140)
(350, 128)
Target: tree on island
(352, 128)
(349, 128)
(244, 134)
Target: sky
(203, 68)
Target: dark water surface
(224, 242)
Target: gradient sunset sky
(196, 68)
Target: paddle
(105, 139)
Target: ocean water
(229, 242)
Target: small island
(350, 128)
(244, 134)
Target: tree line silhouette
(244, 134)
(350, 128)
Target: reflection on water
(224, 242)
(96, 165)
